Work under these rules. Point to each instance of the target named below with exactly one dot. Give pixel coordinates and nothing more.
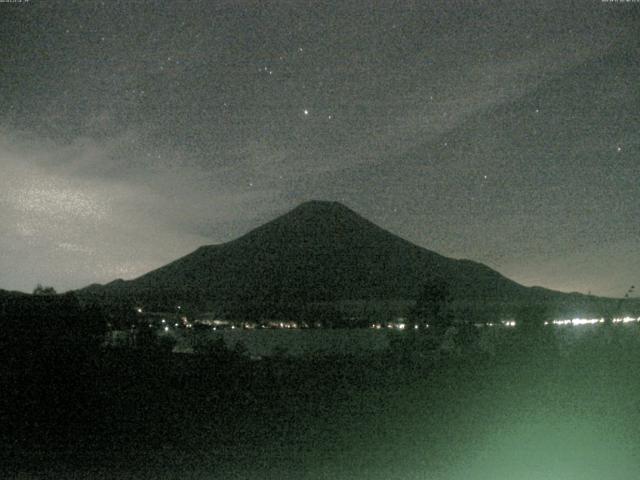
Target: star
(306, 112)
(619, 148)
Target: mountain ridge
(318, 252)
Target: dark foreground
(536, 409)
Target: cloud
(68, 220)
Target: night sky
(504, 132)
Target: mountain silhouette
(318, 252)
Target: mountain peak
(318, 220)
(320, 206)
(320, 251)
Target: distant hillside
(5, 295)
(318, 252)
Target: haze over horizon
(506, 133)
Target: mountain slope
(320, 251)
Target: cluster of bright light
(626, 320)
(396, 326)
(579, 321)
(392, 326)
(592, 321)
(286, 325)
